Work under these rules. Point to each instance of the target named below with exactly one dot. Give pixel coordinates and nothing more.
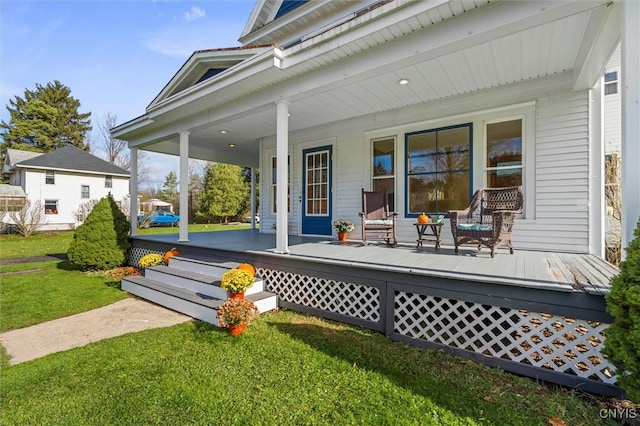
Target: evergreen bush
(101, 242)
(622, 345)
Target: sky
(114, 56)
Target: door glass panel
(317, 185)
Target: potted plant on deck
(236, 282)
(343, 227)
(236, 315)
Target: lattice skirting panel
(564, 345)
(353, 300)
(137, 253)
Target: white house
(63, 180)
(328, 97)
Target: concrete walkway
(126, 316)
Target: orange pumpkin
(247, 267)
(423, 218)
(169, 254)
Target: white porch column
(630, 119)
(282, 143)
(133, 192)
(253, 198)
(184, 186)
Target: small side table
(423, 236)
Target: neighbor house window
(84, 191)
(503, 164)
(611, 83)
(383, 168)
(108, 181)
(51, 206)
(438, 169)
(274, 171)
(49, 177)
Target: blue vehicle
(159, 217)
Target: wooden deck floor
(566, 272)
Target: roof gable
(73, 159)
(285, 21)
(202, 65)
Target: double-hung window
(438, 169)
(274, 181)
(49, 177)
(108, 181)
(503, 164)
(383, 168)
(611, 83)
(84, 191)
(51, 206)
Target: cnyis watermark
(619, 413)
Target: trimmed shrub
(622, 345)
(101, 242)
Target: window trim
(613, 82)
(272, 185)
(51, 211)
(82, 187)
(470, 170)
(50, 175)
(394, 176)
(523, 160)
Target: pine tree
(47, 118)
(169, 191)
(225, 193)
(101, 242)
(622, 345)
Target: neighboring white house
(63, 180)
(430, 100)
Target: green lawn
(44, 243)
(287, 369)
(51, 290)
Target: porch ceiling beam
(603, 34)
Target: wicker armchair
(377, 221)
(489, 218)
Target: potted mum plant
(342, 227)
(236, 315)
(236, 282)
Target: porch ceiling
(334, 78)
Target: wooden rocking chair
(377, 221)
(489, 218)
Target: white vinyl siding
(562, 176)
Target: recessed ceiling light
(223, 132)
(403, 81)
(232, 145)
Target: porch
(540, 314)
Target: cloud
(194, 14)
(183, 40)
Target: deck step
(188, 301)
(210, 268)
(195, 281)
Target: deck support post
(282, 181)
(133, 192)
(630, 123)
(184, 186)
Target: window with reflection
(383, 167)
(274, 181)
(438, 169)
(504, 154)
